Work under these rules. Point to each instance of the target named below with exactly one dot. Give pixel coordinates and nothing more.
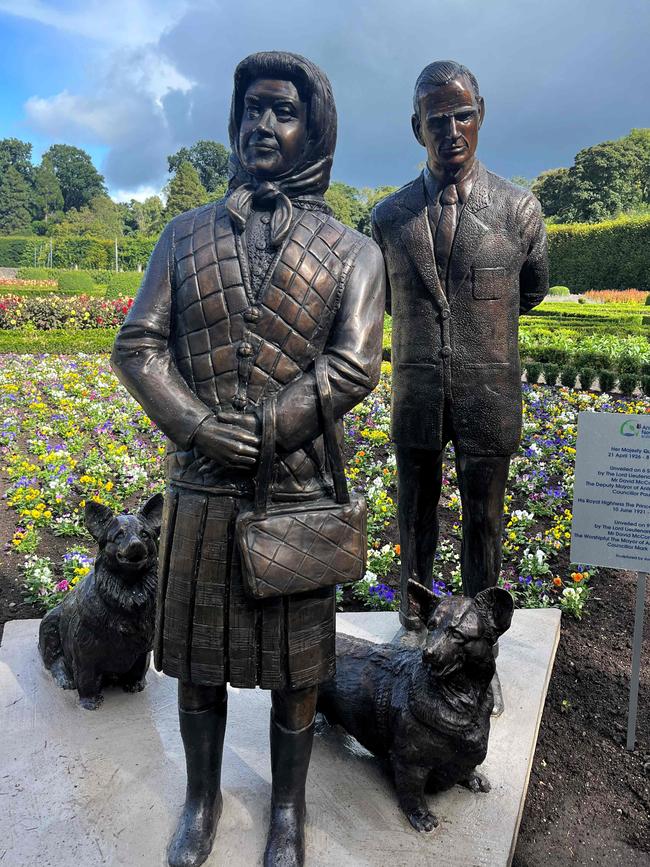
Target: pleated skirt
(208, 630)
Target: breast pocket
(488, 284)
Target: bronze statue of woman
(239, 299)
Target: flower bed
(69, 432)
(55, 311)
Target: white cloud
(138, 193)
(119, 22)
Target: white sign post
(611, 511)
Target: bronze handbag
(289, 548)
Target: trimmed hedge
(76, 282)
(61, 341)
(123, 283)
(87, 252)
(608, 255)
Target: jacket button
(445, 351)
(245, 350)
(445, 314)
(252, 314)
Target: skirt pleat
(209, 630)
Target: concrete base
(106, 787)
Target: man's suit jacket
(460, 346)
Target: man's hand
(230, 445)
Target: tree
(521, 181)
(607, 179)
(369, 198)
(344, 202)
(210, 159)
(145, 217)
(14, 202)
(16, 153)
(553, 189)
(103, 218)
(184, 192)
(79, 179)
(47, 197)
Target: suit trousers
(482, 483)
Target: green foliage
(370, 198)
(184, 192)
(645, 385)
(123, 283)
(587, 376)
(568, 376)
(551, 371)
(47, 198)
(87, 253)
(59, 341)
(533, 372)
(17, 154)
(628, 382)
(607, 179)
(210, 159)
(14, 202)
(145, 217)
(75, 282)
(559, 290)
(606, 380)
(101, 218)
(79, 179)
(608, 255)
(344, 202)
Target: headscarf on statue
(305, 185)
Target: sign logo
(629, 429)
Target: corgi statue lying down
(427, 711)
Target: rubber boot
(498, 708)
(203, 733)
(290, 754)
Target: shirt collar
(464, 187)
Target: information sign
(611, 497)
(611, 512)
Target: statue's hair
(442, 72)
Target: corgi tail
(49, 637)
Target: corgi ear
(495, 606)
(421, 600)
(152, 511)
(97, 517)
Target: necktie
(446, 229)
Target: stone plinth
(105, 787)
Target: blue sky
(132, 80)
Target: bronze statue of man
(239, 299)
(465, 252)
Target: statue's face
(273, 127)
(447, 125)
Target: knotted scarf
(308, 180)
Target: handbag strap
(267, 453)
(332, 448)
(333, 453)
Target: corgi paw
(91, 702)
(477, 783)
(422, 820)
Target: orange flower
(577, 576)
(557, 581)
(398, 549)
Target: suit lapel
(416, 236)
(469, 233)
